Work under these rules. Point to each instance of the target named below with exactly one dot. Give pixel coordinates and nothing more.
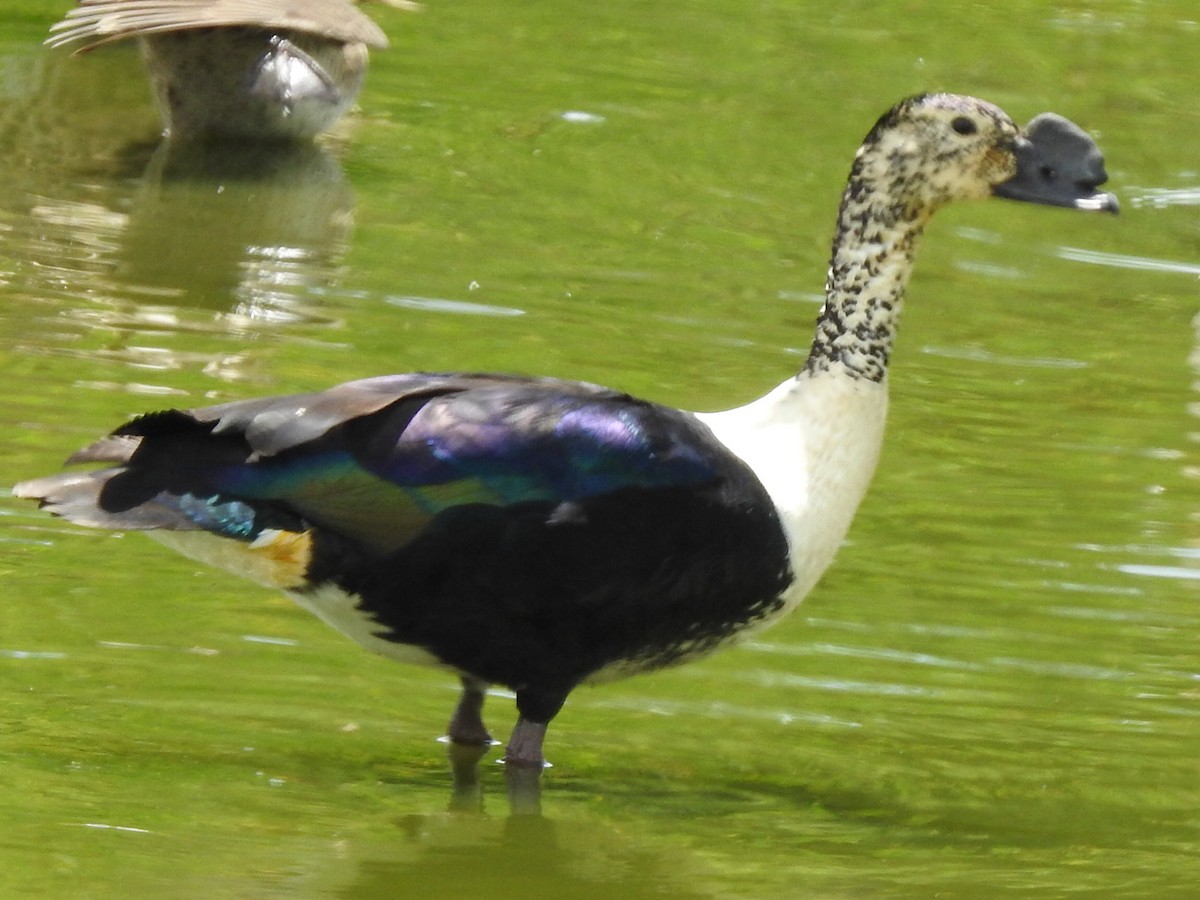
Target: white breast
(813, 442)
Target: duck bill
(1058, 164)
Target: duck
(257, 70)
(539, 534)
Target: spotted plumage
(541, 534)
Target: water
(994, 692)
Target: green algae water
(995, 691)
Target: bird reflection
(436, 855)
(139, 241)
(523, 783)
(249, 223)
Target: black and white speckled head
(925, 152)
(932, 149)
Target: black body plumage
(525, 532)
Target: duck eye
(963, 125)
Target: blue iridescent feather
(382, 476)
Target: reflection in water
(1163, 197)
(125, 234)
(128, 245)
(205, 224)
(252, 235)
(1124, 261)
(518, 856)
(475, 850)
(257, 223)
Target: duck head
(932, 149)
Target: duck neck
(873, 249)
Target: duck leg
(523, 764)
(467, 740)
(523, 757)
(525, 745)
(466, 725)
(535, 709)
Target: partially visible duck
(240, 69)
(541, 534)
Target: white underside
(339, 610)
(814, 443)
(328, 603)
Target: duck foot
(523, 765)
(524, 748)
(466, 724)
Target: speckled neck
(873, 249)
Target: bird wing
(376, 460)
(102, 21)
